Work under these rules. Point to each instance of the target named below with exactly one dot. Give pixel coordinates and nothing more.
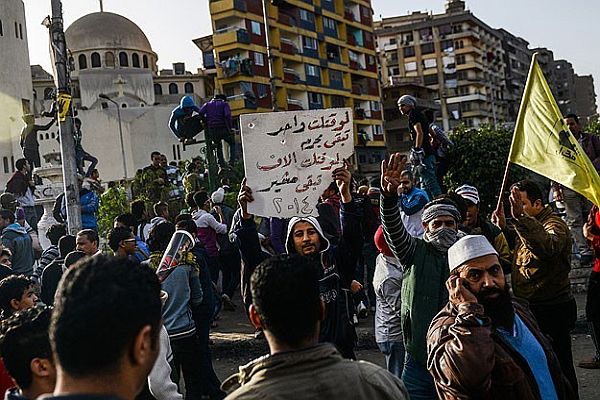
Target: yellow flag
(543, 143)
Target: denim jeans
(394, 353)
(429, 177)
(418, 381)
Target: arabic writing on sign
(289, 157)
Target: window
(307, 15)
(336, 76)
(123, 59)
(95, 60)
(430, 79)
(409, 51)
(109, 59)
(375, 106)
(337, 101)
(135, 60)
(309, 43)
(82, 61)
(12, 163)
(255, 27)
(330, 24)
(447, 45)
(145, 61)
(459, 44)
(460, 59)
(394, 71)
(259, 59)
(188, 87)
(21, 31)
(173, 89)
(312, 70)
(430, 63)
(5, 162)
(262, 90)
(16, 30)
(411, 66)
(315, 98)
(1, 29)
(392, 41)
(427, 48)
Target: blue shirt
(523, 341)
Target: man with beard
(484, 344)
(425, 267)
(306, 238)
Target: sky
(565, 28)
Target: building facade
(322, 56)
(586, 97)
(517, 58)
(456, 54)
(16, 93)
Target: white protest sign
(289, 158)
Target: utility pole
(273, 78)
(67, 144)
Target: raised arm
(401, 243)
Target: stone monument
(52, 186)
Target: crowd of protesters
(465, 305)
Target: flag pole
(521, 115)
(503, 187)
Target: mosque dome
(106, 30)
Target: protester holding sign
(305, 237)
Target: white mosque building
(109, 55)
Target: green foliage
(479, 158)
(113, 202)
(593, 127)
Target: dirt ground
(235, 345)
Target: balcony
(349, 15)
(358, 89)
(330, 32)
(295, 105)
(328, 5)
(333, 84)
(287, 46)
(290, 75)
(240, 102)
(351, 39)
(308, 52)
(287, 19)
(220, 6)
(468, 97)
(230, 36)
(313, 80)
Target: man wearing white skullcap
(484, 344)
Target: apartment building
(456, 54)
(586, 97)
(322, 55)
(517, 59)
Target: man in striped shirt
(425, 267)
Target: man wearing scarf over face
(305, 237)
(425, 266)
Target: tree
(478, 157)
(113, 203)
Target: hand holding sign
(291, 157)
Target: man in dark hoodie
(25, 349)
(186, 121)
(16, 238)
(305, 237)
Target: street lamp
(105, 97)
